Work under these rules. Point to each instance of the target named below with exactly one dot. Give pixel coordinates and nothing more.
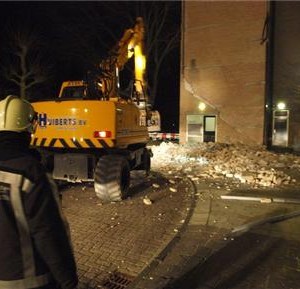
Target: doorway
(280, 130)
(201, 128)
(209, 132)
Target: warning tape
(163, 136)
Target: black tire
(146, 162)
(112, 178)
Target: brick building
(284, 84)
(240, 72)
(223, 71)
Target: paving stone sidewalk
(119, 240)
(185, 238)
(208, 254)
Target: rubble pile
(253, 165)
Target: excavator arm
(104, 83)
(129, 46)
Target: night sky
(72, 37)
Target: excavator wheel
(146, 162)
(112, 178)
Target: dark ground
(185, 239)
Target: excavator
(94, 131)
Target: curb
(161, 256)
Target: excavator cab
(74, 92)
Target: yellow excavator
(95, 132)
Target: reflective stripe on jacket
(11, 189)
(35, 245)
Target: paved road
(185, 238)
(124, 237)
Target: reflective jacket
(35, 247)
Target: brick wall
(223, 65)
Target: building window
(194, 128)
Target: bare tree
(161, 39)
(24, 65)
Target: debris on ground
(147, 201)
(253, 165)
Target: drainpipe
(268, 124)
(182, 119)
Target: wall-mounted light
(281, 105)
(202, 106)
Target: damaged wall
(223, 65)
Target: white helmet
(17, 115)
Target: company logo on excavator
(44, 121)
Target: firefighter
(35, 246)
